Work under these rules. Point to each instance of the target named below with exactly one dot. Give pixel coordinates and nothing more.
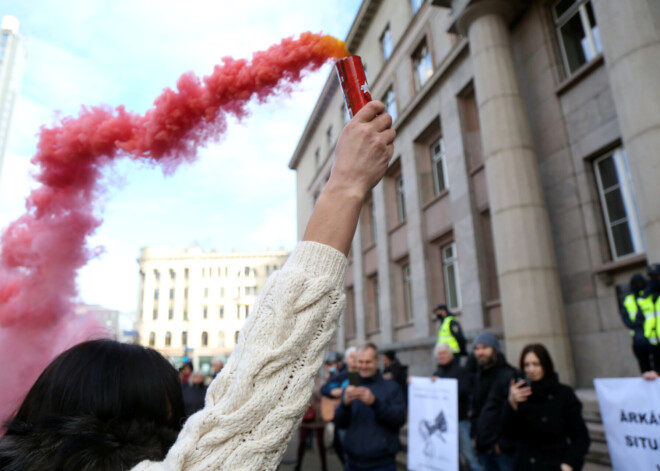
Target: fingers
(382, 122)
(369, 111)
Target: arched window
(152, 339)
(168, 339)
(236, 337)
(205, 339)
(184, 338)
(221, 338)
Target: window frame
(447, 263)
(406, 282)
(416, 55)
(443, 161)
(391, 105)
(399, 188)
(578, 8)
(387, 42)
(630, 206)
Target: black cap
(637, 283)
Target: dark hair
(444, 308)
(390, 354)
(543, 355)
(99, 398)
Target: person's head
(388, 357)
(197, 378)
(331, 362)
(486, 348)
(217, 364)
(368, 360)
(441, 311)
(535, 362)
(108, 404)
(186, 370)
(637, 283)
(351, 359)
(443, 354)
(653, 271)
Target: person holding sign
(544, 416)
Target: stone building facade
(523, 188)
(193, 303)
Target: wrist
(345, 192)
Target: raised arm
(254, 405)
(363, 153)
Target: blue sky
(240, 193)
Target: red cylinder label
(353, 83)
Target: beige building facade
(523, 188)
(193, 303)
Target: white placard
(432, 424)
(630, 408)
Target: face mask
(332, 370)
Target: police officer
(450, 331)
(651, 309)
(636, 321)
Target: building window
(210, 272)
(205, 312)
(186, 273)
(238, 311)
(386, 43)
(155, 314)
(156, 294)
(171, 293)
(222, 292)
(390, 103)
(206, 292)
(172, 274)
(247, 271)
(157, 275)
(407, 292)
(267, 270)
(400, 199)
(184, 339)
(152, 339)
(185, 314)
(219, 272)
(416, 5)
(422, 65)
(317, 158)
(577, 32)
(618, 204)
(450, 271)
(170, 314)
(236, 337)
(205, 339)
(168, 339)
(203, 272)
(438, 162)
(221, 312)
(221, 339)
(373, 308)
(329, 136)
(185, 293)
(247, 311)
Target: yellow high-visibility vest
(445, 335)
(651, 312)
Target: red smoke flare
(43, 249)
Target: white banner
(432, 424)
(630, 408)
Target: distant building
(523, 192)
(194, 303)
(10, 73)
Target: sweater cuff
(319, 260)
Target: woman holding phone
(545, 417)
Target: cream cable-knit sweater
(254, 405)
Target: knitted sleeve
(254, 405)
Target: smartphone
(526, 380)
(354, 378)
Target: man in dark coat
(395, 371)
(491, 387)
(372, 414)
(193, 393)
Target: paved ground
(311, 459)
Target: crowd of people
(508, 418)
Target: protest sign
(630, 408)
(432, 424)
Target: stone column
(532, 305)
(630, 33)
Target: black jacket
(456, 371)
(372, 432)
(491, 390)
(82, 444)
(548, 427)
(193, 397)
